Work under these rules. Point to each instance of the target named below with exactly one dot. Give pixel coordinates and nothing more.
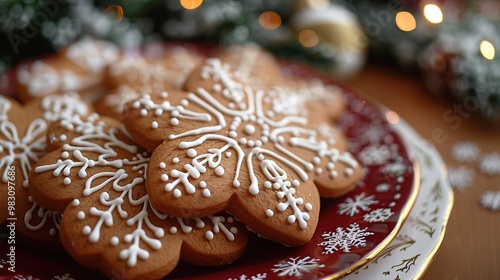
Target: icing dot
(258, 143)
(291, 219)
(228, 154)
(230, 219)
(203, 184)
(231, 105)
(281, 139)
(86, 230)
(143, 112)
(295, 183)
(348, 171)
(154, 125)
(233, 127)
(140, 172)
(209, 235)
(175, 160)
(175, 113)
(158, 112)
(330, 166)
(269, 213)
(206, 193)
(80, 215)
(164, 177)
(219, 171)
(177, 193)
(397, 196)
(174, 121)
(392, 204)
(267, 184)
(217, 87)
(309, 206)
(67, 181)
(233, 230)
(192, 153)
(319, 171)
(260, 157)
(233, 134)
(333, 174)
(400, 179)
(243, 141)
(173, 230)
(250, 143)
(63, 137)
(114, 241)
(184, 102)
(164, 94)
(65, 154)
(316, 160)
(75, 202)
(162, 165)
(52, 232)
(249, 129)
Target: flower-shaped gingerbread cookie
(22, 143)
(97, 177)
(224, 146)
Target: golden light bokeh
(308, 38)
(392, 117)
(115, 11)
(191, 4)
(487, 49)
(405, 21)
(270, 20)
(433, 13)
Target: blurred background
(449, 43)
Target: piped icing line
(32, 146)
(44, 215)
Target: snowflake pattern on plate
(351, 206)
(258, 276)
(296, 266)
(378, 215)
(342, 239)
(66, 276)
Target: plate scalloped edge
(412, 251)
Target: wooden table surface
(471, 247)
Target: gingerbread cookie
(253, 65)
(22, 143)
(168, 71)
(224, 146)
(78, 68)
(97, 177)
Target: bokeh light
(308, 38)
(270, 20)
(487, 49)
(405, 21)
(433, 13)
(392, 117)
(191, 4)
(115, 11)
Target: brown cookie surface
(98, 177)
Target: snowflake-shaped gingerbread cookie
(97, 176)
(22, 143)
(221, 145)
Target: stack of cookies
(176, 155)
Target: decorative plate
(352, 229)
(415, 246)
